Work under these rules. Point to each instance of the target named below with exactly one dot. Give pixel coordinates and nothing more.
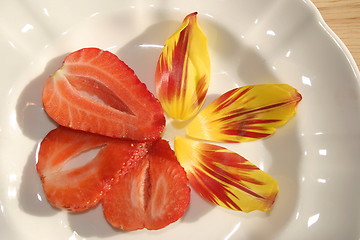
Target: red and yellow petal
(246, 114)
(183, 71)
(225, 178)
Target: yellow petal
(183, 71)
(246, 114)
(225, 178)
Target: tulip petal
(246, 114)
(183, 71)
(225, 178)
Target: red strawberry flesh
(151, 195)
(82, 187)
(95, 91)
(124, 204)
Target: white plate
(315, 157)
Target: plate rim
(342, 47)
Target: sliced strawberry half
(169, 191)
(124, 205)
(95, 91)
(77, 188)
(152, 195)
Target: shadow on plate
(35, 124)
(31, 117)
(92, 223)
(286, 152)
(198, 208)
(141, 53)
(32, 199)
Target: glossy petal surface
(246, 114)
(225, 178)
(183, 70)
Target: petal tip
(183, 71)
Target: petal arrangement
(101, 106)
(242, 114)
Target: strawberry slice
(124, 205)
(151, 195)
(169, 192)
(77, 188)
(95, 91)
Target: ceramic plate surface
(314, 158)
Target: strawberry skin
(151, 195)
(95, 91)
(79, 188)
